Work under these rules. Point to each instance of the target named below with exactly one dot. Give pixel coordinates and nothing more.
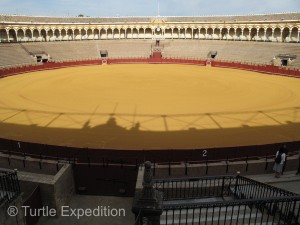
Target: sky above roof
(112, 8)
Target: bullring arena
(122, 90)
(150, 106)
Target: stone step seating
(213, 216)
(252, 52)
(126, 49)
(63, 51)
(14, 55)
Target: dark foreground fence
(9, 186)
(237, 200)
(196, 187)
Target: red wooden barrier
(238, 65)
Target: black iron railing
(282, 210)
(196, 187)
(190, 201)
(9, 186)
(246, 188)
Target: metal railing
(196, 187)
(9, 186)
(283, 210)
(254, 202)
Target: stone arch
(12, 35)
(238, 33)
(269, 34)
(261, 34)
(209, 33)
(217, 33)
(43, 35)
(224, 33)
(20, 34)
(188, 33)
(96, 33)
(63, 34)
(277, 34)
(246, 33)
(69, 34)
(253, 34)
(109, 33)
(128, 33)
(56, 35)
(83, 34)
(202, 33)
(50, 35)
(3, 35)
(231, 33)
(134, 33)
(294, 34)
(36, 35)
(116, 33)
(141, 32)
(77, 34)
(102, 33)
(89, 34)
(122, 33)
(285, 34)
(28, 35)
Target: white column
(7, 32)
(242, 34)
(281, 33)
(199, 29)
(172, 33)
(290, 34)
(213, 35)
(257, 32)
(273, 29)
(265, 34)
(234, 34)
(192, 33)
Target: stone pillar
(265, 34)
(234, 34)
(147, 203)
(290, 35)
(7, 32)
(242, 35)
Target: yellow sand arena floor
(149, 107)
